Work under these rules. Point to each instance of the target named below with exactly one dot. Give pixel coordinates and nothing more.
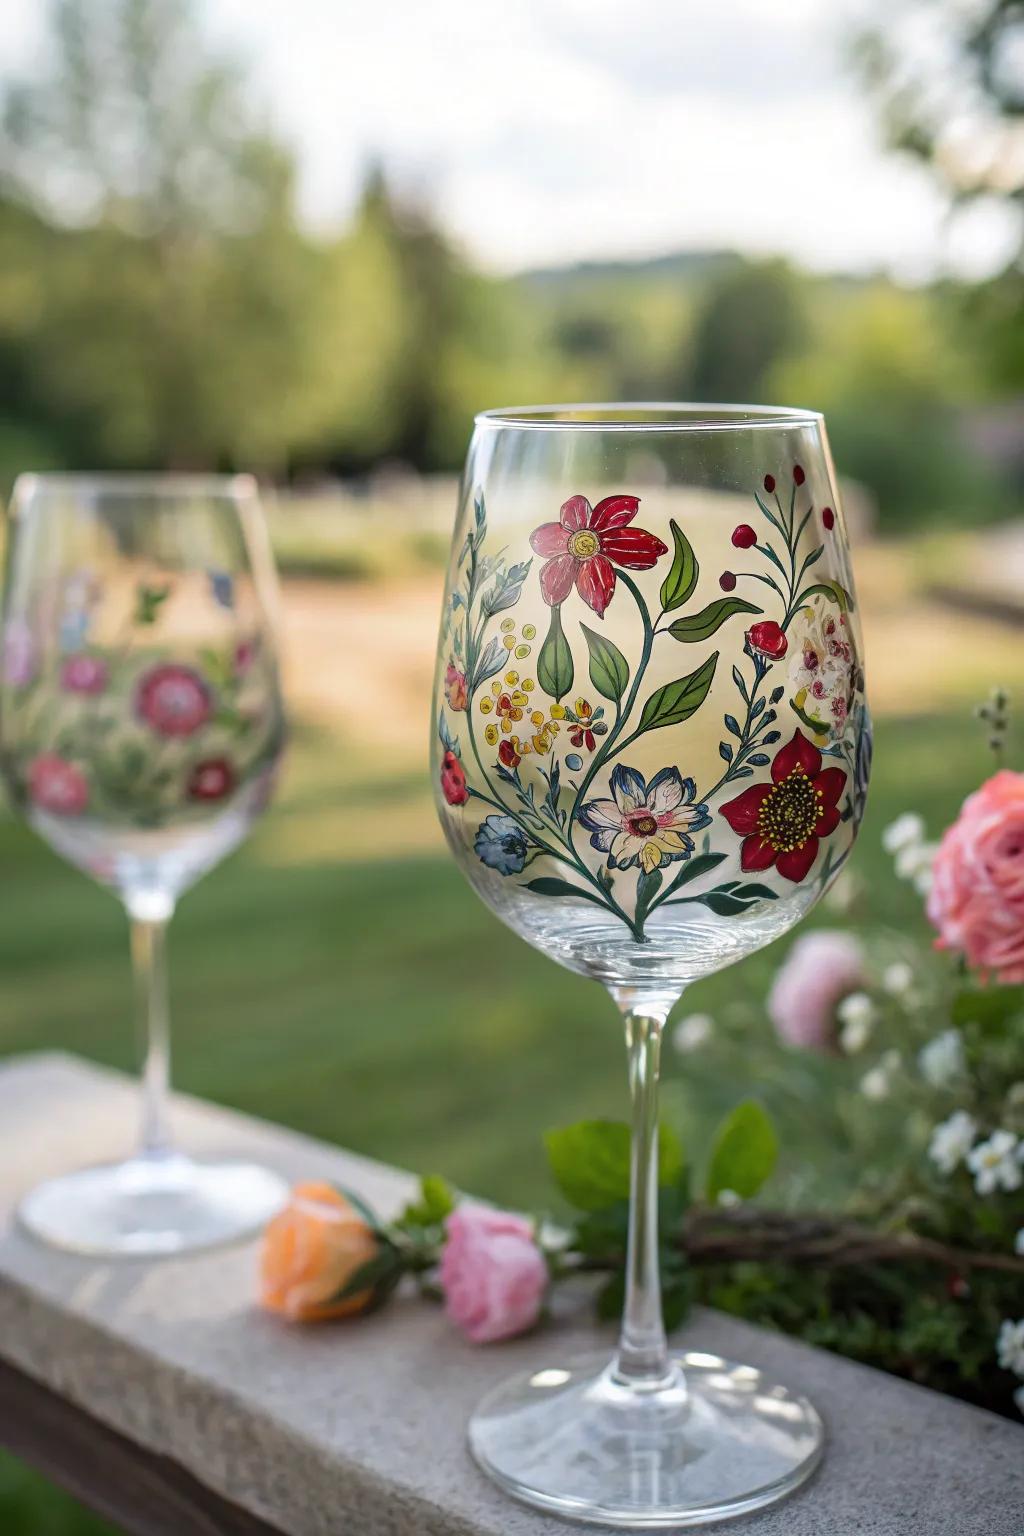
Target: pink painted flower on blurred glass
(820, 970)
(492, 1273)
(455, 690)
(19, 654)
(174, 700)
(57, 786)
(84, 674)
(976, 899)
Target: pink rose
(174, 700)
(820, 970)
(58, 786)
(976, 899)
(492, 1273)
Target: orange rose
(310, 1253)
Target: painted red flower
(744, 536)
(453, 780)
(57, 785)
(828, 517)
(583, 545)
(766, 639)
(174, 700)
(782, 822)
(507, 754)
(211, 779)
(84, 674)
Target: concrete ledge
(359, 1429)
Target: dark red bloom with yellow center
(782, 822)
(585, 541)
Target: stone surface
(359, 1428)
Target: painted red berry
(828, 517)
(767, 639)
(727, 581)
(769, 483)
(744, 536)
(798, 474)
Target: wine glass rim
(130, 483)
(649, 416)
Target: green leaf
(677, 701)
(609, 669)
(436, 1201)
(682, 577)
(703, 864)
(647, 887)
(744, 1152)
(379, 1275)
(833, 589)
(549, 885)
(148, 601)
(701, 626)
(590, 1161)
(987, 1006)
(554, 664)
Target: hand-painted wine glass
(651, 759)
(141, 723)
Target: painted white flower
(952, 1140)
(898, 978)
(1010, 1346)
(877, 1084)
(1018, 1243)
(904, 832)
(995, 1164)
(942, 1059)
(691, 1033)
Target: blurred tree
(750, 318)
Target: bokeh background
(311, 240)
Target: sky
(545, 132)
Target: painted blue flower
(222, 587)
(645, 824)
(501, 845)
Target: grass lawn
(375, 1002)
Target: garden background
(165, 304)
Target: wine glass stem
(643, 1350)
(149, 964)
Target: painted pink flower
(976, 899)
(84, 674)
(586, 543)
(453, 780)
(211, 779)
(820, 970)
(781, 823)
(245, 655)
(57, 785)
(19, 654)
(492, 1273)
(455, 690)
(174, 700)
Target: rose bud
(744, 536)
(492, 1273)
(311, 1252)
(766, 639)
(769, 483)
(453, 780)
(727, 581)
(798, 474)
(828, 517)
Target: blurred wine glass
(141, 724)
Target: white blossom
(915, 861)
(692, 1032)
(854, 1036)
(942, 1059)
(1010, 1346)
(898, 978)
(729, 1198)
(904, 832)
(952, 1140)
(995, 1164)
(856, 1009)
(877, 1083)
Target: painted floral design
(57, 786)
(585, 545)
(540, 783)
(212, 779)
(174, 700)
(19, 654)
(84, 674)
(782, 822)
(645, 824)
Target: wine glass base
(152, 1205)
(572, 1440)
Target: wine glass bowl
(651, 754)
(141, 724)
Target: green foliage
(677, 701)
(590, 1161)
(554, 663)
(683, 572)
(609, 669)
(702, 625)
(744, 1152)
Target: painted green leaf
(701, 626)
(703, 864)
(682, 577)
(833, 589)
(743, 1153)
(677, 701)
(547, 885)
(148, 601)
(554, 664)
(647, 887)
(590, 1161)
(609, 669)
